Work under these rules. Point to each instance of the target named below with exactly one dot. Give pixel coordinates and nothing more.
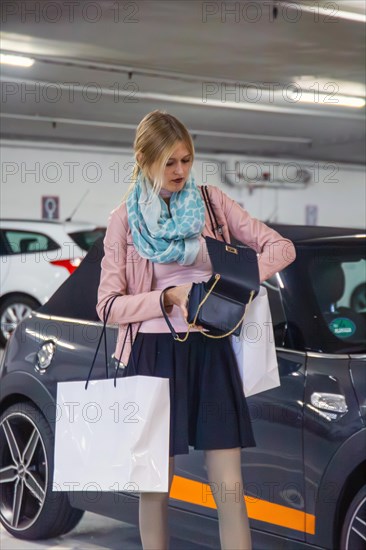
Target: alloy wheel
(354, 529)
(12, 316)
(23, 471)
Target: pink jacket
(125, 272)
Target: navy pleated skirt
(208, 407)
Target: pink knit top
(174, 274)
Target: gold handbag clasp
(231, 249)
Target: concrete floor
(96, 532)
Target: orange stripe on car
(196, 492)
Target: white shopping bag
(255, 348)
(112, 438)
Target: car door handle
(331, 404)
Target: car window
(339, 285)
(85, 239)
(27, 242)
(3, 248)
(354, 295)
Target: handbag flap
(237, 266)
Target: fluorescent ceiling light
(17, 60)
(331, 11)
(337, 101)
(309, 83)
(327, 99)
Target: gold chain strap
(193, 324)
(236, 326)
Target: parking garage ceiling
(230, 70)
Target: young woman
(155, 239)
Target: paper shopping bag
(112, 438)
(255, 348)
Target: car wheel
(12, 311)
(29, 509)
(353, 535)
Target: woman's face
(177, 168)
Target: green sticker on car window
(342, 327)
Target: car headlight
(44, 356)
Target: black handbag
(219, 304)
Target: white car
(36, 258)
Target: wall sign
(50, 208)
(311, 214)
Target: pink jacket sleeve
(275, 252)
(127, 308)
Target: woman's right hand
(178, 296)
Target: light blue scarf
(157, 236)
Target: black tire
(73, 519)
(353, 534)
(26, 437)
(20, 306)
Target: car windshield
(85, 239)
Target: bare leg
(224, 474)
(153, 517)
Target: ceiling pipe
(191, 100)
(124, 126)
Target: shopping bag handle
(106, 311)
(129, 328)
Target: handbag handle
(171, 328)
(215, 226)
(193, 324)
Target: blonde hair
(157, 136)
